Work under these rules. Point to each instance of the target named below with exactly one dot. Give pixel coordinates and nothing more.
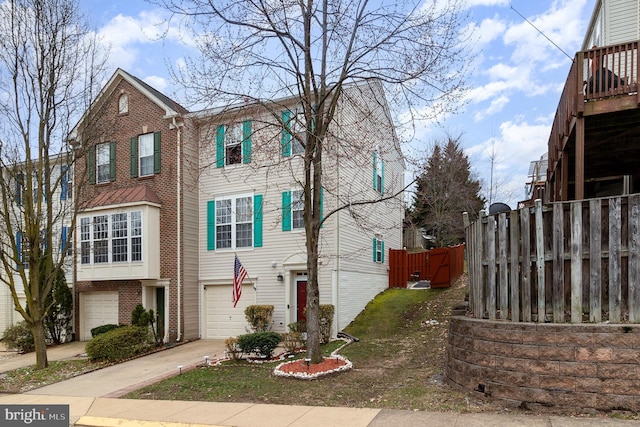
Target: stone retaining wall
(581, 365)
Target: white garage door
(222, 319)
(96, 309)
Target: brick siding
(578, 366)
(143, 116)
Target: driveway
(119, 379)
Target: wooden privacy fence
(567, 262)
(441, 266)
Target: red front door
(301, 299)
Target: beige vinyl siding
(190, 233)
(613, 22)
(359, 278)
(622, 21)
(348, 172)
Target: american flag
(239, 274)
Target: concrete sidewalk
(118, 380)
(107, 412)
(92, 400)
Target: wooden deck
(594, 146)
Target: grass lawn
(398, 363)
(25, 379)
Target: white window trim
(110, 238)
(231, 143)
(106, 147)
(234, 199)
(150, 136)
(293, 192)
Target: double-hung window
(115, 237)
(233, 144)
(234, 222)
(145, 152)
(100, 239)
(378, 250)
(297, 209)
(102, 163)
(378, 172)
(294, 134)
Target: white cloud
(132, 39)
(157, 82)
(496, 106)
(474, 3)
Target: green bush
(60, 314)
(326, 322)
(19, 337)
(259, 317)
(260, 343)
(120, 344)
(102, 329)
(140, 316)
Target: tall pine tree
(445, 189)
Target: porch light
(280, 277)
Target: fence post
(540, 260)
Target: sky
(505, 118)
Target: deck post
(579, 157)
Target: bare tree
(47, 76)
(258, 51)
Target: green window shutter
(220, 146)
(211, 225)
(375, 170)
(286, 211)
(286, 135)
(112, 161)
(246, 141)
(382, 255)
(91, 165)
(257, 221)
(382, 177)
(156, 152)
(375, 246)
(133, 157)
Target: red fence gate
(441, 266)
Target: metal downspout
(178, 229)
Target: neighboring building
(61, 201)
(594, 144)
(137, 227)
(251, 206)
(613, 22)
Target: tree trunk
(40, 341)
(313, 308)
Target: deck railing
(567, 262)
(598, 73)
